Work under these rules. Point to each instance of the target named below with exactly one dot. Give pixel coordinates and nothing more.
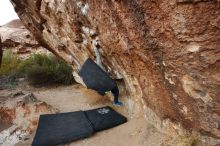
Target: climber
(97, 79)
(96, 48)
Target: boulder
(16, 37)
(166, 51)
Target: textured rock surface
(23, 110)
(20, 111)
(16, 37)
(167, 52)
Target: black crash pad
(104, 118)
(55, 129)
(95, 78)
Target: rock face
(15, 36)
(166, 51)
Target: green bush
(38, 70)
(9, 63)
(46, 70)
(8, 70)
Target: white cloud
(7, 12)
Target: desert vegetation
(38, 70)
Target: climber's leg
(115, 92)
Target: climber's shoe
(118, 103)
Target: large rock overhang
(166, 51)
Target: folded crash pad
(55, 129)
(95, 78)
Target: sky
(7, 12)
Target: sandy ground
(136, 132)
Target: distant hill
(15, 36)
(14, 24)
